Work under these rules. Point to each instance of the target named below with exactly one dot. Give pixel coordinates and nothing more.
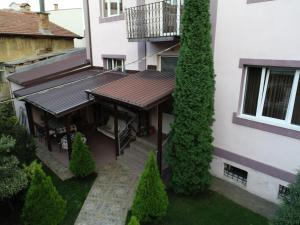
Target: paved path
(244, 198)
(50, 161)
(110, 197)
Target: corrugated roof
(44, 70)
(27, 23)
(73, 96)
(141, 90)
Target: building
(257, 94)
(28, 36)
(256, 132)
(72, 19)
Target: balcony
(155, 22)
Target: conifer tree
(43, 204)
(289, 211)
(151, 200)
(190, 147)
(82, 163)
(12, 178)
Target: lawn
(208, 209)
(74, 191)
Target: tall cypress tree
(190, 149)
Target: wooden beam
(116, 129)
(159, 138)
(48, 137)
(67, 125)
(30, 118)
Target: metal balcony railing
(159, 20)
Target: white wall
(265, 30)
(111, 37)
(71, 19)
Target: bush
(43, 204)
(289, 211)
(151, 200)
(12, 178)
(133, 221)
(190, 149)
(82, 163)
(25, 146)
(6, 110)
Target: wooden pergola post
(159, 138)
(48, 137)
(116, 129)
(29, 117)
(69, 141)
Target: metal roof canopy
(142, 90)
(71, 97)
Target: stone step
(146, 142)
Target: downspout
(89, 31)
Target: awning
(63, 100)
(142, 90)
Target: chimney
(25, 7)
(42, 6)
(55, 6)
(44, 23)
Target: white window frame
(167, 56)
(109, 8)
(114, 64)
(286, 123)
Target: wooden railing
(156, 20)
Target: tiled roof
(27, 23)
(72, 95)
(141, 90)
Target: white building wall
(71, 19)
(265, 30)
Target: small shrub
(151, 200)
(82, 163)
(43, 204)
(12, 178)
(133, 221)
(289, 211)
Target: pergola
(141, 91)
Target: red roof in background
(27, 23)
(142, 89)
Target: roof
(27, 23)
(49, 68)
(72, 96)
(142, 90)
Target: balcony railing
(156, 21)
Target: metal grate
(155, 20)
(238, 175)
(283, 191)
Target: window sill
(236, 119)
(111, 18)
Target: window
(272, 95)
(115, 64)
(168, 64)
(236, 174)
(283, 191)
(112, 8)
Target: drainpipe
(42, 6)
(88, 29)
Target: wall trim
(257, 1)
(112, 56)
(269, 62)
(265, 127)
(255, 165)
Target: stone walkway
(244, 198)
(57, 167)
(110, 198)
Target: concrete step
(147, 142)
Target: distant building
(25, 34)
(71, 19)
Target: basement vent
(238, 175)
(283, 191)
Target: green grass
(209, 208)
(74, 191)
